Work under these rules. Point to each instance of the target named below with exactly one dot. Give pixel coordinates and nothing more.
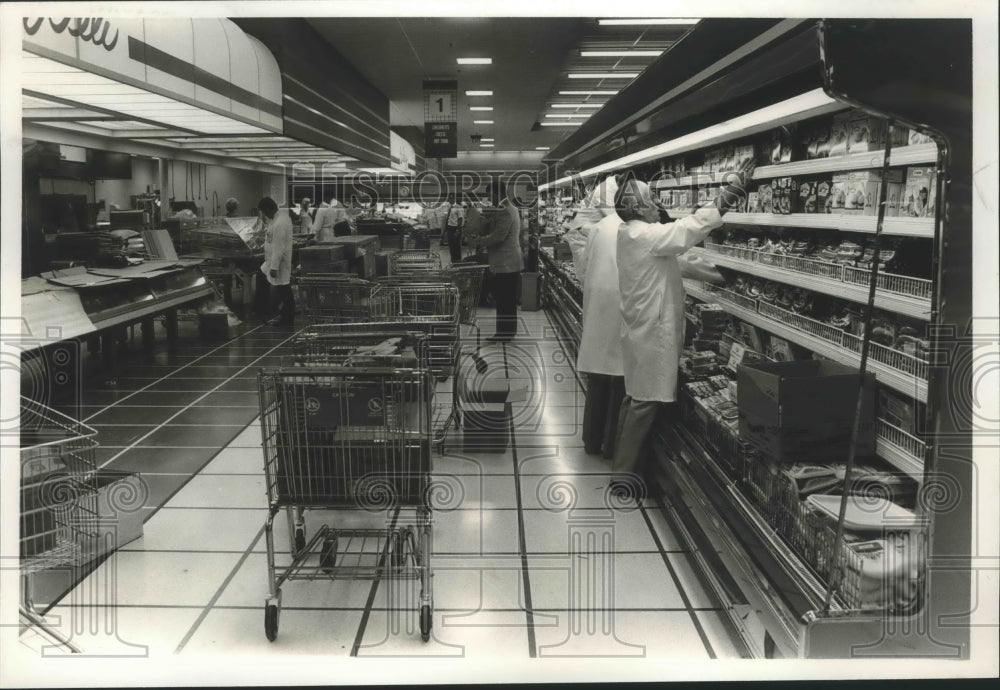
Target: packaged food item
(838, 193)
(895, 189)
(753, 202)
(741, 155)
(916, 138)
(765, 197)
(824, 200)
(805, 201)
(781, 144)
(868, 133)
(839, 133)
(779, 349)
(861, 190)
(919, 193)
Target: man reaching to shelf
(652, 305)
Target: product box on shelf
(861, 190)
(919, 193)
(781, 145)
(839, 131)
(805, 200)
(804, 410)
(765, 198)
(779, 349)
(865, 134)
(824, 198)
(753, 202)
(915, 138)
(752, 337)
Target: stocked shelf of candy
(807, 151)
(903, 268)
(709, 404)
(715, 336)
(897, 341)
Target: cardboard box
(919, 193)
(752, 337)
(765, 198)
(531, 288)
(804, 410)
(866, 134)
(915, 138)
(861, 190)
(839, 131)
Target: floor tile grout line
(522, 541)
(677, 583)
(189, 405)
(181, 368)
(218, 593)
(363, 623)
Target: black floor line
(218, 593)
(363, 624)
(677, 583)
(521, 540)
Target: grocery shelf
(855, 291)
(904, 155)
(903, 227)
(900, 381)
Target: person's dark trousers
(600, 413)
(636, 420)
(505, 296)
(282, 294)
(454, 243)
(262, 297)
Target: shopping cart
(58, 500)
(407, 262)
(335, 297)
(341, 433)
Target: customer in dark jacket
(499, 230)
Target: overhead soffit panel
(326, 100)
(207, 64)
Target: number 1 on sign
(440, 103)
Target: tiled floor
(529, 559)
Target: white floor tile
(221, 491)
(306, 633)
(469, 584)
(640, 581)
(643, 635)
(249, 587)
(475, 531)
(485, 635)
(248, 438)
(556, 491)
(151, 578)
(560, 460)
(550, 532)
(237, 460)
(143, 632)
(196, 529)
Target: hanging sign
(440, 119)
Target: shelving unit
(752, 568)
(562, 298)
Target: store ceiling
(532, 60)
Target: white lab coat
(326, 218)
(278, 249)
(600, 345)
(652, 299)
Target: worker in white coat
(652, 303)
(594, 247)
(277, 266)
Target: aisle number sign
(440, 118)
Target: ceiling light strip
(648, 22)
(478, 93)
(603, 75)
(621, 53)
(809, 104)
(587, 93)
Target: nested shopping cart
(335, 297)
(346, 425)
(407, 262)
(58, 500)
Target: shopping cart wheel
(328, 554)
(425, 622)
(300, 540)
(272, 609)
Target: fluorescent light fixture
(487, 139)
(474, 61)
(603, 75)
(621, 53)
(541, 148)
(486, 146)
(568, 116)
(647, 22)
(480, 107)
(482, 122)
(577, 105)
(587, 93)
(810, 104)
(567, 123)
(478, 93)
